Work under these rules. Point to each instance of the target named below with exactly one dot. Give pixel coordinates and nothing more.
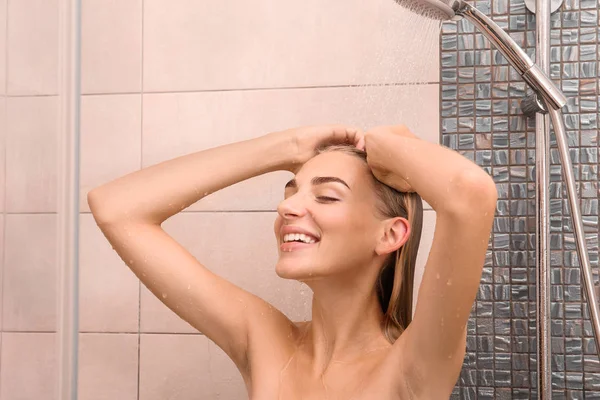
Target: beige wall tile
(2, 47)
(178, 124)
(111, 53)
(108, 366)
(31, 154)
(192, 45)
(250, 263)
(110, 140)
(33, 47)
(182, 367)
(109, 291)
(28, 366)
(3, 136)
(30, 273)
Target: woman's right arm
(155, 193)
(131, 209)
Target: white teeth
(290, 237)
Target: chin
(289, 269)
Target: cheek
(351, 224)
(277, 226)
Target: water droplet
(164, 295)
(437, 276)
(131, 262)
(449, 283)
(189, 287)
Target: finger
(360, 142)
(355, 135)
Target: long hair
(394, 283)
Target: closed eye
(327, 199)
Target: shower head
(444, 10)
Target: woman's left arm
(443, 178)
(431, 349)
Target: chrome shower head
(442, 10)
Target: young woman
(349, 227)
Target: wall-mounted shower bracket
(533, 104)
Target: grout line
(111, 333)
(257, 89)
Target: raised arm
(464, 198)
(131, 209)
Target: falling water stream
(402, 69)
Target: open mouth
(297, 241)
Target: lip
(293, 246)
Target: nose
(292, 207)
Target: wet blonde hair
(394, 283)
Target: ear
(396, 232)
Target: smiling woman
(359, 222)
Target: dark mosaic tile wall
(481, 118)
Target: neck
(346, 321)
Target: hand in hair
(305, 141)
(379, 156)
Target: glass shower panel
(38, 169)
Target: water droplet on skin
(437, 276)
(205, 193)
(164, 295)
(131, 262)
(189, 287)
(449, 283)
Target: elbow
(98, 207)
(475, 190)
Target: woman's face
(332, 200)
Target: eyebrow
(318, 180)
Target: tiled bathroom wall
(481, 118)
(161, 79)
